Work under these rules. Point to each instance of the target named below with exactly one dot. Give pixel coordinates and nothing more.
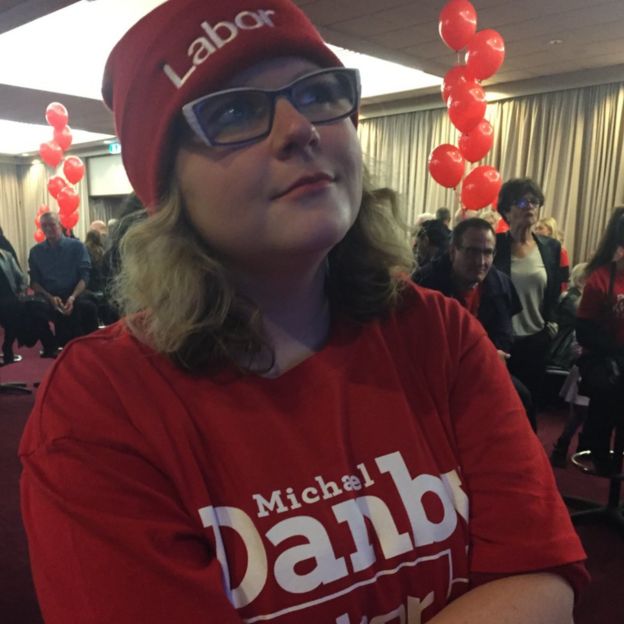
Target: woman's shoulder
(104, 356)
(429, 316)
(87, 390)
(599, 278)
(115, 339)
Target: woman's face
(524, 211)
(292, 194)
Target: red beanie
(182, 50)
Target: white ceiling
(590, 32)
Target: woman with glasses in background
(534, 264)
(283, 429)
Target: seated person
(443, 215)
(563, 353)
(96, 288)
(563, 350)
(5, 244)
(466, 274)
(59, 273)
(432, 241)
(17, 318)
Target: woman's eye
(232, 113)
(317, 94)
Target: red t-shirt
(373, 479)
(595, 306)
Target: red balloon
(475, 144)
(458, 74)
(55, 185)
(480, 187)
(68, 221)
(457, 24)
(74, 169)
(63, 136)
(39, 235)
(466, 106)
(485, 54)
(446, 165)
(68, 200)
(56, 115)
(51, 153)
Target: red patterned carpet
(602, 603)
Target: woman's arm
(539, 598)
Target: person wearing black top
(533, 263)
(6, 245)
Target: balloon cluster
(466, 104)
(52, 154)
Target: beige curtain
(570, 142)
(11, 212)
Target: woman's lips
(306, 184)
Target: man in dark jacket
(466, 274)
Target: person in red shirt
(600, 331)
(283, 428)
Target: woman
(276, 431)
(600, 331)
(564, 349)
(564, 353)
(534, 264)
(547, 226)
(95, 247)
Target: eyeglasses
(526, 202)
(244, 115)
(477, 252)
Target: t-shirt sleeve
(518, 522)
(109, 539)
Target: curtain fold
(570, 142)
(11, 212)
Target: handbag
(601, 373)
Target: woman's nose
(291, 130)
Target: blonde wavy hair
(551, 224)
(177, 297)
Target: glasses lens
(326, 96)
(235, 116)
(526, 202)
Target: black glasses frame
(191, 109)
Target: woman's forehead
(272, 73)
